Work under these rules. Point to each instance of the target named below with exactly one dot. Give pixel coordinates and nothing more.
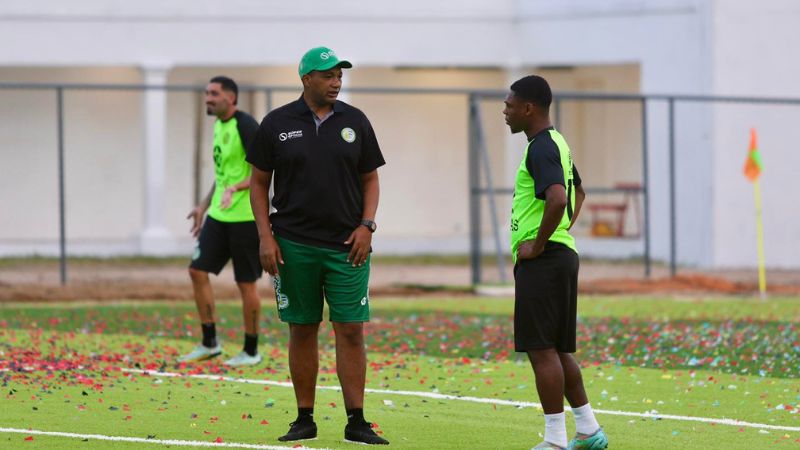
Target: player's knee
(248, 290)
(350, 333)
(303, 332)
(197, 275)
(543, 356)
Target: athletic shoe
(361, 433)
(596, 441)
(544, 445)
(201, 353)
(300, 431)
(243, 359)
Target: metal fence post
(480, 142)
(645, 191)
(62, 239)
(557, 113)
(672, 211)
(474, 177)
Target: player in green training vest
(229, 231)
(547, 199)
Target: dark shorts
(546, 300)
(223, 241)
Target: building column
(155, 239)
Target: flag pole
(762, 273)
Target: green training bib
(527, 210)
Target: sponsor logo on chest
(286, 135)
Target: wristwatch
(371, 226)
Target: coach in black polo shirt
(324, 157)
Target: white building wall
(756, 55)
(671, 42)
(678, 46)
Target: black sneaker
(300, 431)
(361, 433)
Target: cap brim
(344, 64)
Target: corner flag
(752, 166)
(752, 170)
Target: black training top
(544, 164)
(317, 171)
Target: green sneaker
(201, 353)
(544, 445)
(596, 441)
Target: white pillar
(155, 239)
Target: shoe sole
(243, 365)
(594, 447)
(361, 443)
(300, 440)
(200, 359)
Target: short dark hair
(227, 85)
(534, 89)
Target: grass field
(662, 373)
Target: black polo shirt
(316, 171)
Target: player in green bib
(229, 231)
(547, 199)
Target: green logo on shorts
(282, 299)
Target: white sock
(555, 429)
(585, 423)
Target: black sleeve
(576, 178)
(371, 156)
(261, 151)
(247, 127)
(544, 165)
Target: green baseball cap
(321, 58)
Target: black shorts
(221, 241)
(546, 300)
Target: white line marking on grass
(493, 401)
(177, 442)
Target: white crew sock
(585, 423)
(555, 429)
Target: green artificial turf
(67, 369)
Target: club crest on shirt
(348, 135)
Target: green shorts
(310, 273)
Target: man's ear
(530, 109)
